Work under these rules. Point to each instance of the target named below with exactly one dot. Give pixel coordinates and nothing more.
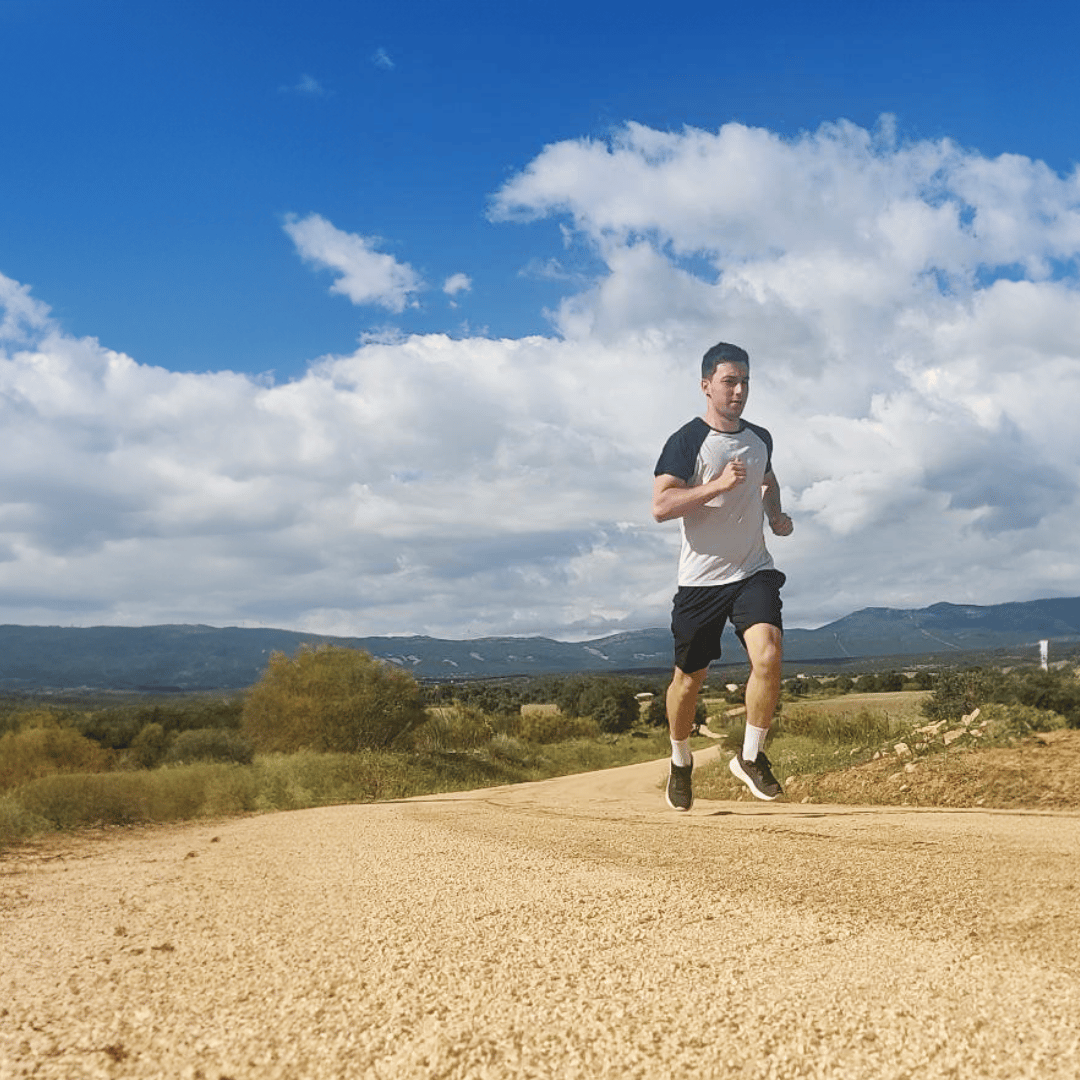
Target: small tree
(149, 747)
(613, 705)
(955, 694)
(329, 698)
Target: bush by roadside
(329, 698)
(44, 748)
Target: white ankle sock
(680, 752)
(753, 741)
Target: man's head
(725, 381)
(720, 354)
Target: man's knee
(765, 648)
(687, 683)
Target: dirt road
(569, 928)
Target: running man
(715, 475)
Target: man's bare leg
(764, 646)
(682, 696)
(681, 703)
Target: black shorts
(699, 613)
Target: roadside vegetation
(331, 725)
(981, 737)
(327, 725)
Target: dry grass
(901, 704)
(984, 764)
(1040, 773)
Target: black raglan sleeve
(766, 438)
(680, 453)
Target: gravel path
(569, 928)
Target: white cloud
(382, 59)
(922, 406)
(367, 276)
(457, 283)
(23, 315)
(306, 86)
(549, 269)
(379, 490)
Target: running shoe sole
(740, 773)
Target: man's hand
(733, 474)
(781, 525)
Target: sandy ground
(568, 928)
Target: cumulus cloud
(22, 314)
(457, 283)
(912, 310)
(367, 276)
(376, 492)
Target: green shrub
(508, 748)
(331, 699)
(1058, 691)
(209, 744)
(18, 823)
(453, 727)
(128, 798)
(956, 693)
(1003, 720)
(33, 752)
(88, 799)
(540, 728)
(613, 705)
(149, 747)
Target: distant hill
(205, 657)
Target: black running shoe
(756, 775)
(680, 792)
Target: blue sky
(153, 149)
(500, 223)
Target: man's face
(728, 389)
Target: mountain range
(190, 657)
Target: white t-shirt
(724, 540)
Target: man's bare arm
(779, 522)
(672, 498)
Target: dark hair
(722, 353)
